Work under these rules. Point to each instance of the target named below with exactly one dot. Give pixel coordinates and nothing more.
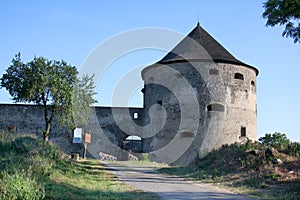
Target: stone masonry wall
(219, 98)
(107, 136)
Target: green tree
(284, 12)
(82, 99)
(277, 140)
(50, 84)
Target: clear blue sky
(70, 30)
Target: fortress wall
(110, 127)
(107, 136)
(26, 118)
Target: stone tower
(197, 98)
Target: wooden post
(84, 150)
(87, 140)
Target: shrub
(40, 167)
(293, 149)
(145, 157)
(5, 140)
(276, 140)
(24, 144)
(249, 145)
(19, 186)
(52, 152)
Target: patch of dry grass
(242, 170)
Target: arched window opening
(213, 72)
(253, 88)
(215, 107)
(133, 137)
(133, 143)
(239, 76)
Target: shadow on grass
(57, 191)
(184, 172)
(88, 180)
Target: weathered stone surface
(215, 108)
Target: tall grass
(24, 165)
(31, 170)
(18, 185)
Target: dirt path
(167, 187)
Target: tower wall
(241, 113)
(200, 106)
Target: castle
(196, 98)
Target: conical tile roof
(199, 45)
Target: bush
(276, 140)
(5, 140)
(20, 186)
(24, 144)
(145, 157)
(293, 149)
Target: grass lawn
(88, 180)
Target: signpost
(77, 136)
(80, 137)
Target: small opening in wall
(253, 85)
(135, 115)
(215, 107)
(187, 134)
(239, 76)
(243, 131)
(213, 72)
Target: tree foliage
(51, 84)
(82, 99)
(276, 140)
(284, 12)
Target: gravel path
(167, 187)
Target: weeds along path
(142, 176)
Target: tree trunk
(46, 132)
(47, 120)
